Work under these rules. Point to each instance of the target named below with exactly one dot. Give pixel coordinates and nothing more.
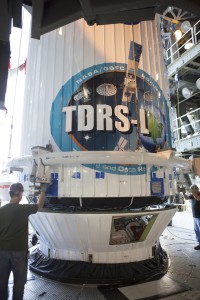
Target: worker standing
(195, 204)
(14, 240)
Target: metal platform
(180, 282)
(188, 144)
(184, 60)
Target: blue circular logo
(106, 84)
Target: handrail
(196, 31)
(187, 98)
(177, 48)
(176, 128)
(191, 112)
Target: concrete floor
(181, 281)
(184, 260)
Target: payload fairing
(98, 96)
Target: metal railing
(187, 125)
(180, 129)
(176, 49)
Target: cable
(192, 265)
(179, 237)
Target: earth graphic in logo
(157, 129)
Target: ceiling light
(198, 83)
(178, 34)
(188, 45)
(186, 92)
(185, 26)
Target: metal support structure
(183, 60)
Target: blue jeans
(17, 262)
(197, 229)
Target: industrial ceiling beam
(138, 15)
(37, 16)
(192, 70)
(50, 15)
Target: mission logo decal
(111, 107)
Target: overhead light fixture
(181, 28)
(60, 31)
(178, 34)
(198, 83)
(188, 45)
(187, 93)
(185, 26)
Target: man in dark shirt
(14, 240)
(195, 204)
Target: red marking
(4, 186)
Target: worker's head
(194, 187)
(16, 190)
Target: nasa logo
(101, 108)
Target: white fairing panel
(78, 49)
(100, 88)
(92, 237)
(98, 95)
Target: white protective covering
(87, 237)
